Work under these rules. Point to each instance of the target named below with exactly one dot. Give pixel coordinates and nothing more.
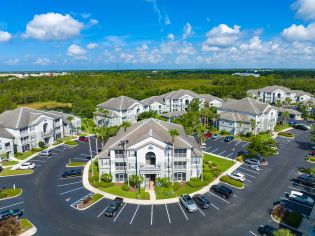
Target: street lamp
(91, 155)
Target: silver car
(188, 203)
(252, 161)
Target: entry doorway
(149, 181)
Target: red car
(83, 139)
(312, 153)
(208, 135)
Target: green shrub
(216, 173)
(196, 184)
(135, 180)
(224, 132)
(286, 134)
(107, 178)
(233, 182)
(310, 171)
(176, 186)
(3, 194)
(71, 143)
(208, 176)
(125, 187)
(163, 182)
(41, 144)
(240, 158)
(294, 219)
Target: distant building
(236, 117)
(294, 114)
(148, 145)
(272, 94)
(246, 74)
(6, 144)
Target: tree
(253, 125)
(283, 232)
(70, 119)
(278, 103)
(125, 125)
(287, 101)
(9, 227)
(200, 129)
(313, 134)
(135, 180)
(194, 105)
(107, 178)
(261, 147)
(41, 144)
(284, 117)
(174, 133)
(149, 114)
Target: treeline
(85, 90)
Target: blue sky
(142, 34)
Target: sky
(156, 34)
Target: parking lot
(225, 149)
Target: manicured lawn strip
(8, 172)
(233, 182)
(24, 155)
(6, 193)
(307, 170)
(116, 190)
(96, 197)
(25, 225)
(76, 163)
(265, 137)
(71, 143)
(286, 134)
(221, 163)
(9, 163)
(281, 127)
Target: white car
(254, 167)
(301, 197)
(237, 176)
(26, 166)
(203, 145)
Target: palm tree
(240, 125)
(200, 129)
(253, 125)
(125, 125)
(174, 133)
(70, 119)
(103, 112)
(284, 117)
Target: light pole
(91, 155)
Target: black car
(301, 127)
(72, 173)
(113, 207)
(202, 201)
(17, 213)
(221, 190)
(266, 230)
(229, 139)
(306, 179)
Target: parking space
(225, 149)
(283, 142)
(296, 131)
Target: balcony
(48, 133)
(150, 169)
(180, 167)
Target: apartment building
(71, 123)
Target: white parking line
(219, 198)
(234, 195)
(169, 219)
(254, 177)
(82, 159)
(119, 212)
(238, 143)
(294, 188)
(151, 214)
(283, 198)
(38, 161)
(134, 214)
(245, 144)
(102, 212)
(248, 180)
(201, 211)
(72, 190)
(60, 185)
(252, 233)
(305, 187)
(222, 152)
(182, 211)
(249, 170)
(215, 206)
(18, 203)
(208, 148)
(229, 155)
(214, 150)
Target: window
(132, 166)
(120, 177)
(180, 176)
(132, 153)
(195, 161)
(106, 162)
(180, 152)
(119, 153)
(180, 165)
(120, 165)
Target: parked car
(266, 230)
(252, 161)
(17, 213)
(261, 160)
(202, 201)
(188, 203)
(83, 139)
(301, 127)
(72, 173)
(242, 153)
(306, 179)
(45, 153)
(221, 190)
(215, 136)
(254, 167)
(301, 197)
(27, 166)
(208, 135)
(292, 122)
(229, 138)
(203, 145)
(312, 153)
(237, 176)
(113, 207)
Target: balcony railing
(47, 133)
(180, 167)
(120, 167)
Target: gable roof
(301, 93)
(209, 98)
(63, 115)
(21, 117)
(247, 105)
(5, 134)
(153, 99)
(270, 89)
(118, 103)
(234, 116)
(177, 94)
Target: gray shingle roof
(118, 103)
(247, 105)
(177, 94)
(234, 116)
(61, 114)
(153, 99)
(209, 98)
(291, 111)
(252, 92)
(301, 93)
(5, 134)
(21, 117)
(270, 89)
(150, 128)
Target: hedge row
(233, 182)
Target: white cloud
(12, 62)
(91, 45)
(76, 51)
(221, 36)
(93, 22)
(171, 36)
(299, 32)
(188, 31)
(86, 15)
(5, 36)
(254, 44)
(42, 61)
(167, 20)
(127, 58)
(53, 26)
(304, 9)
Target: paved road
(47, 200)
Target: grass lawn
(281, 127)
(9, 163)
(76, 163)
(116, 190)
(47, 105)
(8, 172)
(6, 193)
(265, 137)
(221, 163)
(25, 225)
(24, 155)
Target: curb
(82, 209)
(204, 190)
(233, 185)
(75, 166)
(16, 175)
(29, 232)
(279, 222)
(13, 196)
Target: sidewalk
(204, 190)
